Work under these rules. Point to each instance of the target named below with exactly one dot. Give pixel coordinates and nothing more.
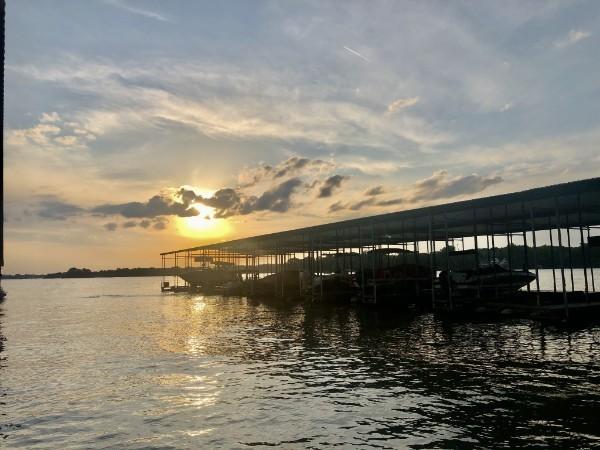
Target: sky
(136, 127)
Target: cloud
(160, 223)
(329, 185)
(571, 38)
(52, 132)
(390, 202)
(49, 117)
(355, 53)
(337, 206)
(140, 12)
(294, 165)
(40, 134)
(57, 210)
(357, 206)
(377, 190)
(157, 223)
(402, 103)
(234, 104)
(276, 199)
(224, 199)
(111, 226)
(440, 185)
(158, 205)
(361, 204)
(180, 202)
(229, 202)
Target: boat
(288, 283)
(335, 287)
(492, 278)
(400, 282)
(211, 277)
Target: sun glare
(204, 225)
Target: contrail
(354, 52)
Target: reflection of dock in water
(443, 257)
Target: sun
(204, 225)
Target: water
(111, 363)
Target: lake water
(112, 363)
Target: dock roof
(564, 205)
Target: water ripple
(133, 369)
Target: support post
(476, 246)
(583, 260)
(450, 305)
(362, 271)
(525, 247)
(569, 252)
(373, 262)
(416, 252)
(552, 253)
(590, 260)
(535, 264)
(431, 265)
(321, 267)
(560, 259)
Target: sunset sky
(135, 127)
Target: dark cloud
(159, 225)
(187, 196)
(229, 202)
(111, 226)
(294, 165)
(57, 210)
(390, 202)
(291, 165)
(337, 206)
(371, 201)
(226, 199)
(277, 199)
(440, 185)
(361, 204)
(157, 206)
(437, 186)
(340, 206)
(329, 185)
(377, 190)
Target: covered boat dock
(564, 218)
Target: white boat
(487, 279)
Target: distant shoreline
(87, 273)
